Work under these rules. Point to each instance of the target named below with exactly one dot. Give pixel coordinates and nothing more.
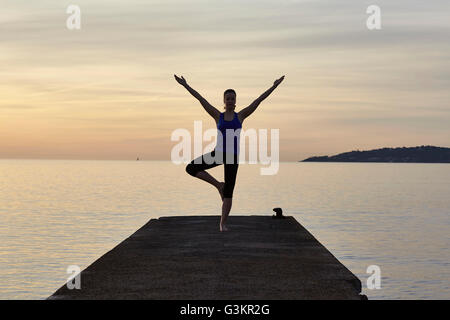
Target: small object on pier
(279, 213)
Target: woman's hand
(278, 81)
(181, 80)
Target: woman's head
(229, 99)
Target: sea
(389, 220)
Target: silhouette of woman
(227, 153)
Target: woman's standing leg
(230, 181)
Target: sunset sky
(107, 91)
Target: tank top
(222, 127)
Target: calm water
(56, 213)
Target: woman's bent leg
(197, 167)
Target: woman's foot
(221, 188)
(223, 228)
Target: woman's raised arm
(213, 112)
(244, 113)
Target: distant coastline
(422, 154)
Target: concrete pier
(187, 258)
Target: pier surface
(187, 258)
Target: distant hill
(427, 154)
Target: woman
(225, 121)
